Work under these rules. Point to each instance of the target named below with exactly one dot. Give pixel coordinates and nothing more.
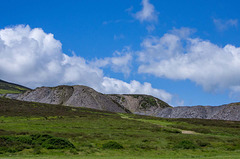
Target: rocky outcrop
(149, 105)
(140, 104)
(76, 96)
(223, 112)
(82, 96)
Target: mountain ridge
(83, 96)
(78, 96)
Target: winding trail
(124, 116)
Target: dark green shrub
(39, 139)
(112, 145)
(14, 144)
(186, 144)
(202, 143)
(57, 143)
(25, 139)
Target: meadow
(34, 130)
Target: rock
(11, 96)
(77, 96)
(140, 104)
(223, 112)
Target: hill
(37, 130)
(224, 112)
(77, 96)
(140, 103)
(7, 87)
(83, 96)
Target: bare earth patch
(188, 132)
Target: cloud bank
(34, 58)
(177, 56)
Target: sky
(183, 52)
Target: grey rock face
(148, 105)
(11, 96)
(224, 112)
(77, 96)
(140, 104)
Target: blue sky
(184, 52)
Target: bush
(57, 143)
(186, 144)
(40, 138)
(112, 145)
(25, 139)
(14, 144)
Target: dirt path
(188, 132)
(183, 131)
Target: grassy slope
(89, 130)
(6, 87)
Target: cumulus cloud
(147, 13)
(223, 25)
(134, 87)
(120, 62)
(180, 57)
(34, 58)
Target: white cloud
(225, 24)
(112, 85)
(147, 13)
(34, 58)
(120, 62)
(179, 57)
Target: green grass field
(33, 130)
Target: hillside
(77, 96)
(224, 112)
(83, 96)
(34, 130)
(140, 103)
(6, 87)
